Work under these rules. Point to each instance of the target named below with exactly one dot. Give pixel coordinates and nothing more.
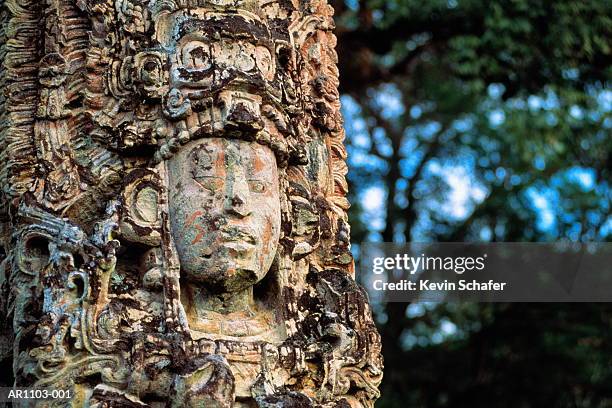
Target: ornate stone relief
(173, 214)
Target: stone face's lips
(239, 248)
(239, 235)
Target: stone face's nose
(238, 198)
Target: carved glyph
(173, 215)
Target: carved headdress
(197, 70)
(100, 95)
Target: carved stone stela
(173, 220)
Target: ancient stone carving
(173, 214)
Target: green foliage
(510, 101)
(502, 359)
(523, 44)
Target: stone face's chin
(224, 212)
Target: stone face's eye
(212, 184)
(196, 55)
(203, 169)
(257, 186)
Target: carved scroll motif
(174, 227)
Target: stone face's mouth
(238, 236)
(239, 248)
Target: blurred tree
(473, 120)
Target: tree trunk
(173, 215)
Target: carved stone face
(224, 211)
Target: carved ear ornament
(141, 218)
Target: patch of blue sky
(388, 99)
(358, 125)
(542, 201)
(485, 234)
(464, 192)
(606, 229)
(430, 129)
(361, 140)
(349, 106)
(583, 177)
(417, 40)
(408, 340)
(372, 200)
(447, 328)
(409, 165)
(571, 73)
(483, 161)
(496, 117)
(500, 229)
(458, 199)
(517, 103)
(401, 201)
(539, 163)
(576, 112)
(549, 101)
(421, 231)
(366, 165)
(352, 4)
(551, 119)
(463, 124)
(416, 111)
(495, 157)
(515, 179)
(399, 232)
(383, 144)
(377, 15)
(420, 335)
(496, 91)
(534, 102)
(409, 144)
(604, 100)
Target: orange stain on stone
(189, 223)
(266, 238)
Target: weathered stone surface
(173, 223)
